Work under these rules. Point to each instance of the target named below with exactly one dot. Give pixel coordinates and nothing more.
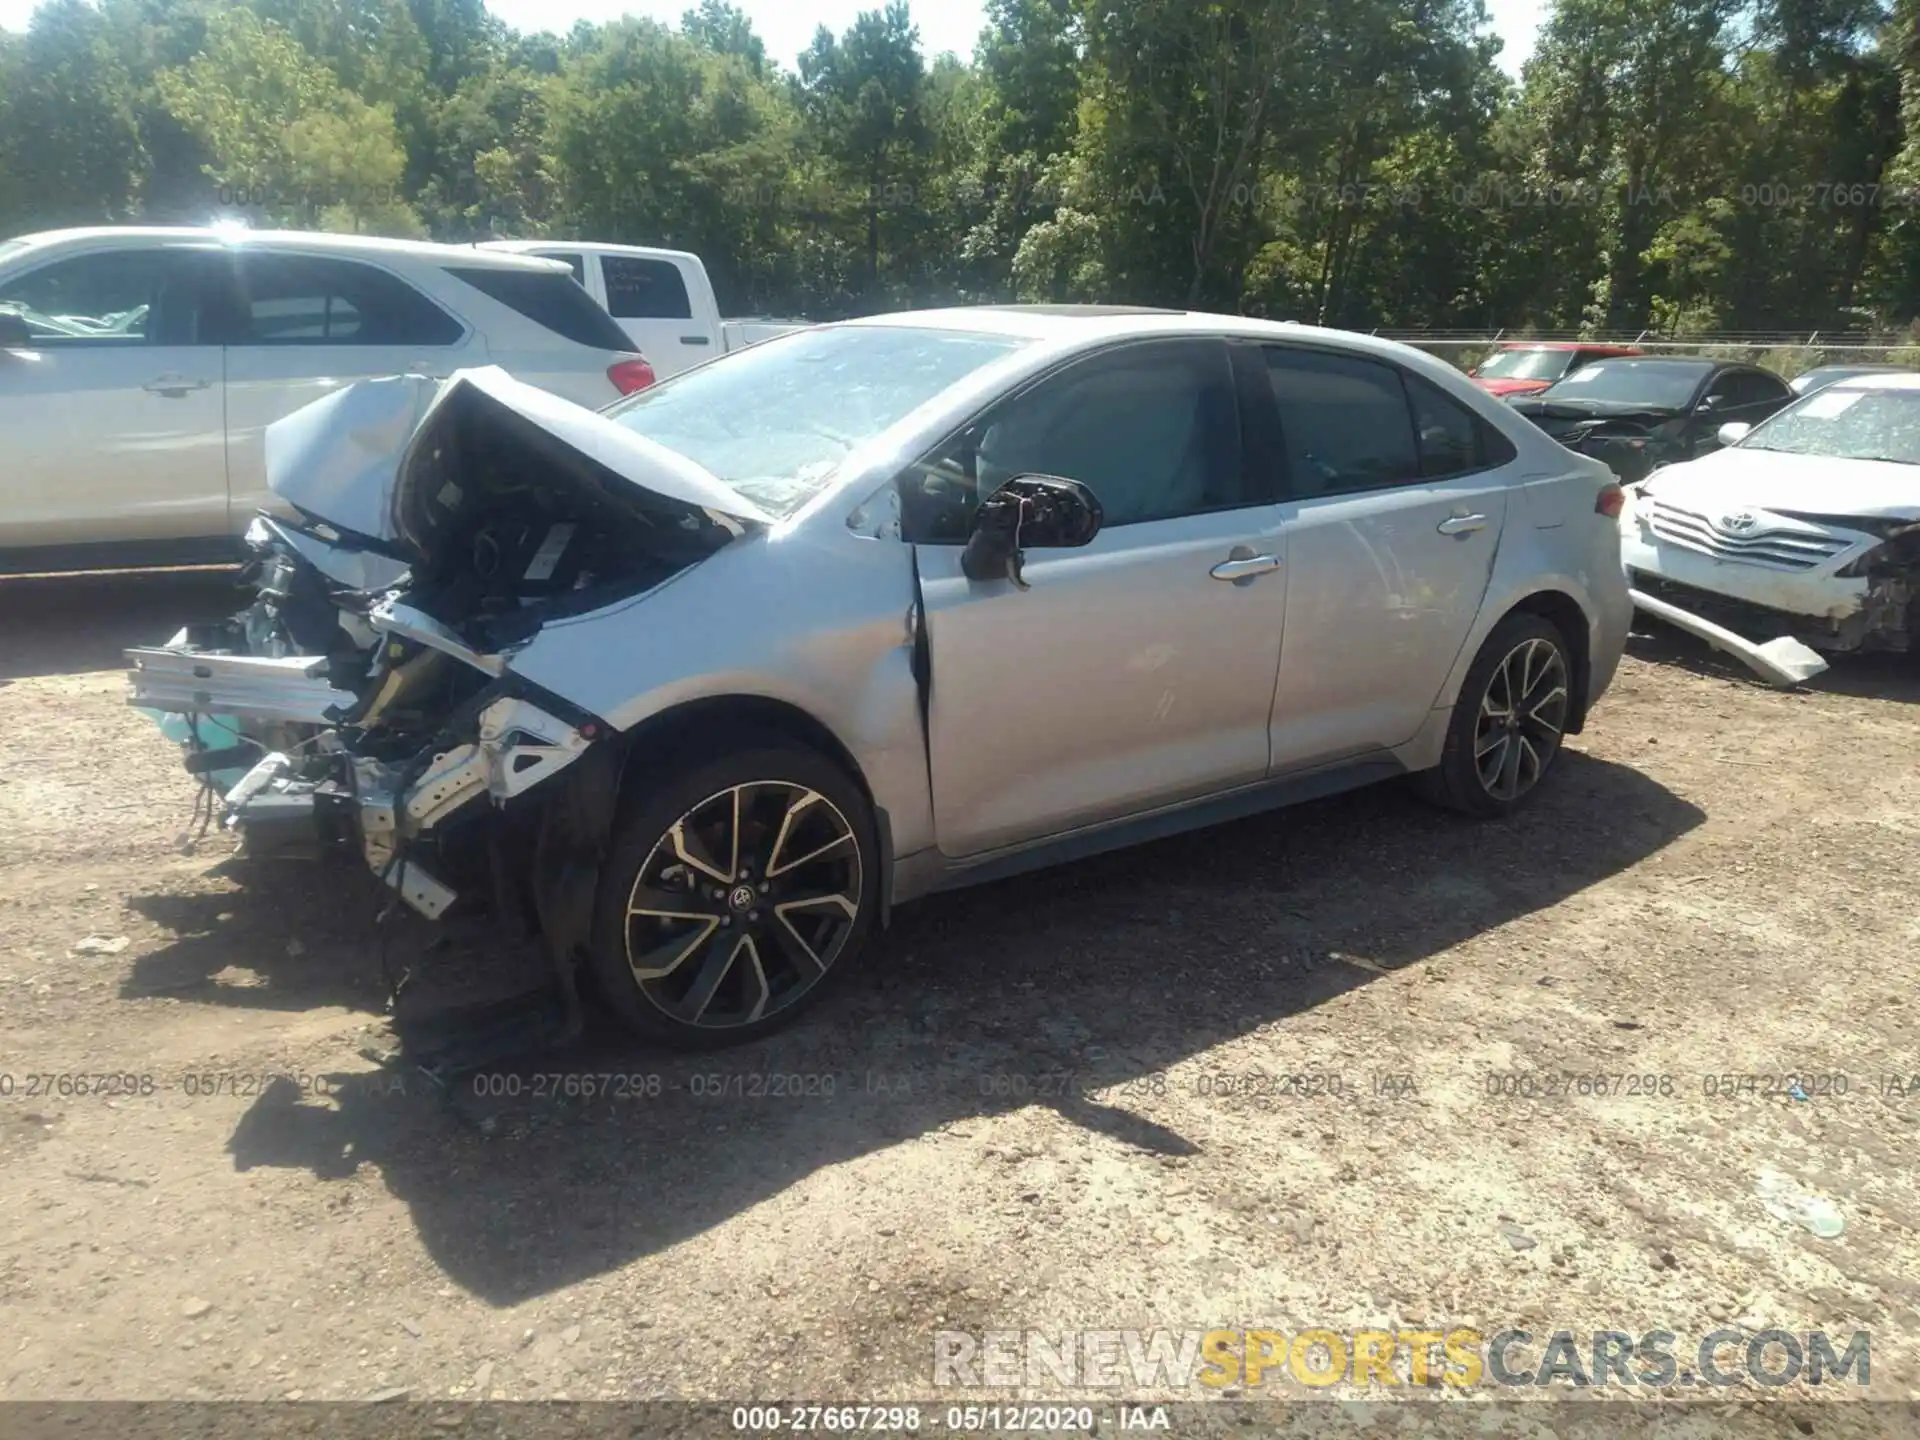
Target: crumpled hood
(1742, 477)
(335, 458)
(353, 458)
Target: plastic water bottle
(1785, 1200)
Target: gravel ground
(1240, 1079)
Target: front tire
(1508, 721)
(734, 892)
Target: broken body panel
(1827, 554)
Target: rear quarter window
(552, 301)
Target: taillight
(631, 375)
(1610, 502)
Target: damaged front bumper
(1829, 588)
(386, 809)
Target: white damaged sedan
(1807, 525)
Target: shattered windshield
(1846, 424)
(1658, 384)
(1524, 365)
(775, 421)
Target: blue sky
(787, 27)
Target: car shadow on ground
(1878, 676)
(69, 624)
(1072, 989)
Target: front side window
(645, 289)
(1153, 431)
(1749, 387)
(126, 297)
(303, 300)
(775, 420)
(1346, 423)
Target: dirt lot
(1056, 1103)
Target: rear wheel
(1508, 721)
(734, 892)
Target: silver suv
(710, 681)
(140, 367)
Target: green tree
(862, 95)
(282, 130)
(70, 148)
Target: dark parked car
(1649, 410)
(1821, 376)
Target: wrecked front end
(1837, 584)
(388, 723)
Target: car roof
(590, 247)
(1677, 360)
(1596, 345)
(1076, 326)
(1860, 370)
(1880, 380)
(305, 241)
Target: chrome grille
(1772, 546)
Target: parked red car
(1522, 367)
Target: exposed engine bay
(365, 700)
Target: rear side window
(1345, 423)
(645, 289)
(306, 300)
(1447, 433)
(551, 301)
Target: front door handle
(174, 387)
(693, 340)
(1462, 524)
(1243, 566)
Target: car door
(301, 326)
(651, 300)
(112, 422)
(1394, 496)
(1136, 672)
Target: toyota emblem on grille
(1739, 520)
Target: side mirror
(1029, 510)
(1712, 402)
(1733, 432)
(14, 332)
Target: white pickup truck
(661, 298)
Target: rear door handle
(174, 387)
(694, 340)
(1244, 566)
(1462, 524)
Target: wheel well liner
(1563, 612)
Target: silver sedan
(710, 681)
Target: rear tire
(735, 891)
(1508, 721)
